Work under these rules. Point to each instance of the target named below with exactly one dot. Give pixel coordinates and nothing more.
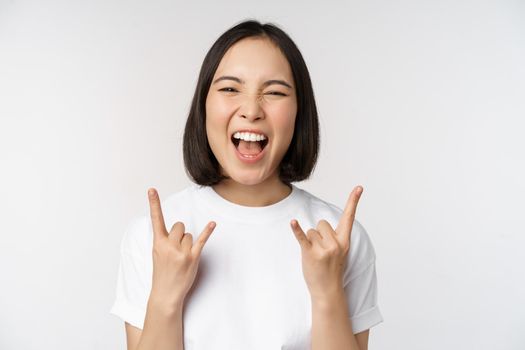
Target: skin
(230, 106)
(324, 251)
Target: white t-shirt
(249, 292)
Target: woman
(252, 130)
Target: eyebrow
(265, 84)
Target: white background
(421, 102)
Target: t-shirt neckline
(233, 211)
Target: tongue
(249, 147)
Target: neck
(265, 193)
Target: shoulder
(138, 235)
(180, 198)
(319, 206)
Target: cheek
(217, 116)
(218, 107)
(216, 124)
(284, 118)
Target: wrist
(168, 305)
(329, 299)
(326, 290)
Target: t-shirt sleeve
(362, 296)
(133, 284)
(361, 285)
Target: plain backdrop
(420, 102)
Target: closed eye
(273, 93)
(228, 89)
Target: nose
(251, 107)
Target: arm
(332, 327)
(175, 262)
(324, 255)
(163, 328)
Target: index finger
(347, 218)
(157, 219)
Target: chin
(247, 179)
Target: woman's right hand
(175, 257)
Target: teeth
(248, 136)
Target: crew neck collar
(232, 211)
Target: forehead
(255, 58)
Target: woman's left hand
(324, 250)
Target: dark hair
(301, 156)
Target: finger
(177, 232)
(347, 218)
(299, 234)
(157, 220)
(203, 237)
(315, 237)
(326, 231)
(187, 241)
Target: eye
(228, 89)
(276, 93)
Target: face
(250, 111)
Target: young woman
(259, 281)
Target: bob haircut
(299, 160)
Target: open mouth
(246, 145)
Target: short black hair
(299, 160)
